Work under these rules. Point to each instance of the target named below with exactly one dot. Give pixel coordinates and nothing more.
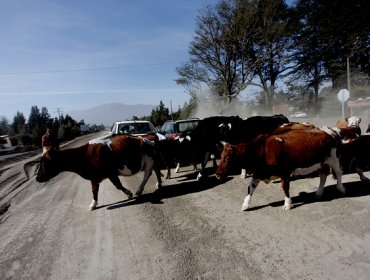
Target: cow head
(227, 157)
(354, 121)
(228, 129)
(48, 166)
(225, 129)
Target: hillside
(108, 113)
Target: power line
(90, 69)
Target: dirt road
(189, 230)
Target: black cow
(205, 140)
(355, 156)
(243, 131)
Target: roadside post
(343, 96)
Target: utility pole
(59, 111)
(171, 109)
(348, 76)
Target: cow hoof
(288, 204)
(287, 207)
(158, 186)
(365, 179)
(342, 190)
(245, 207)
(318, 194)
(129, 194)
(93, 205)
(199, 177)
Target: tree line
(65, 128)
(28, 134)
(267, 43)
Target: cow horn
(28, 165)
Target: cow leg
(158, 175)
(95, 191)
(177, 169)
(214, 163)
(168, 176)
(335, 166)
(117, 183)
(251, 187)
(320, 189)
(203, 165)
(361, 174)
(243, 174)
(285, 184)
(149, 165)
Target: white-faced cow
(349, 127)
(295, 152)
(119, 155)
(348, 122)
(205, 140)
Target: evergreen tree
(19, 123)
(4, 125)
(159, 115)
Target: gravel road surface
(188, 230)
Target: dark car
(171, 129)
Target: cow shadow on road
(168, 191)
(353, 189)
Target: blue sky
(78, 54)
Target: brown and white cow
(295, 152)
(239, 130)
(282, 129)
(98, 160)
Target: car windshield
(135, 128)
(184, 126)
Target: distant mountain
(107, 114)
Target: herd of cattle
(266, 147)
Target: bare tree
(219, 54)
(272, 43)
(237, 44)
